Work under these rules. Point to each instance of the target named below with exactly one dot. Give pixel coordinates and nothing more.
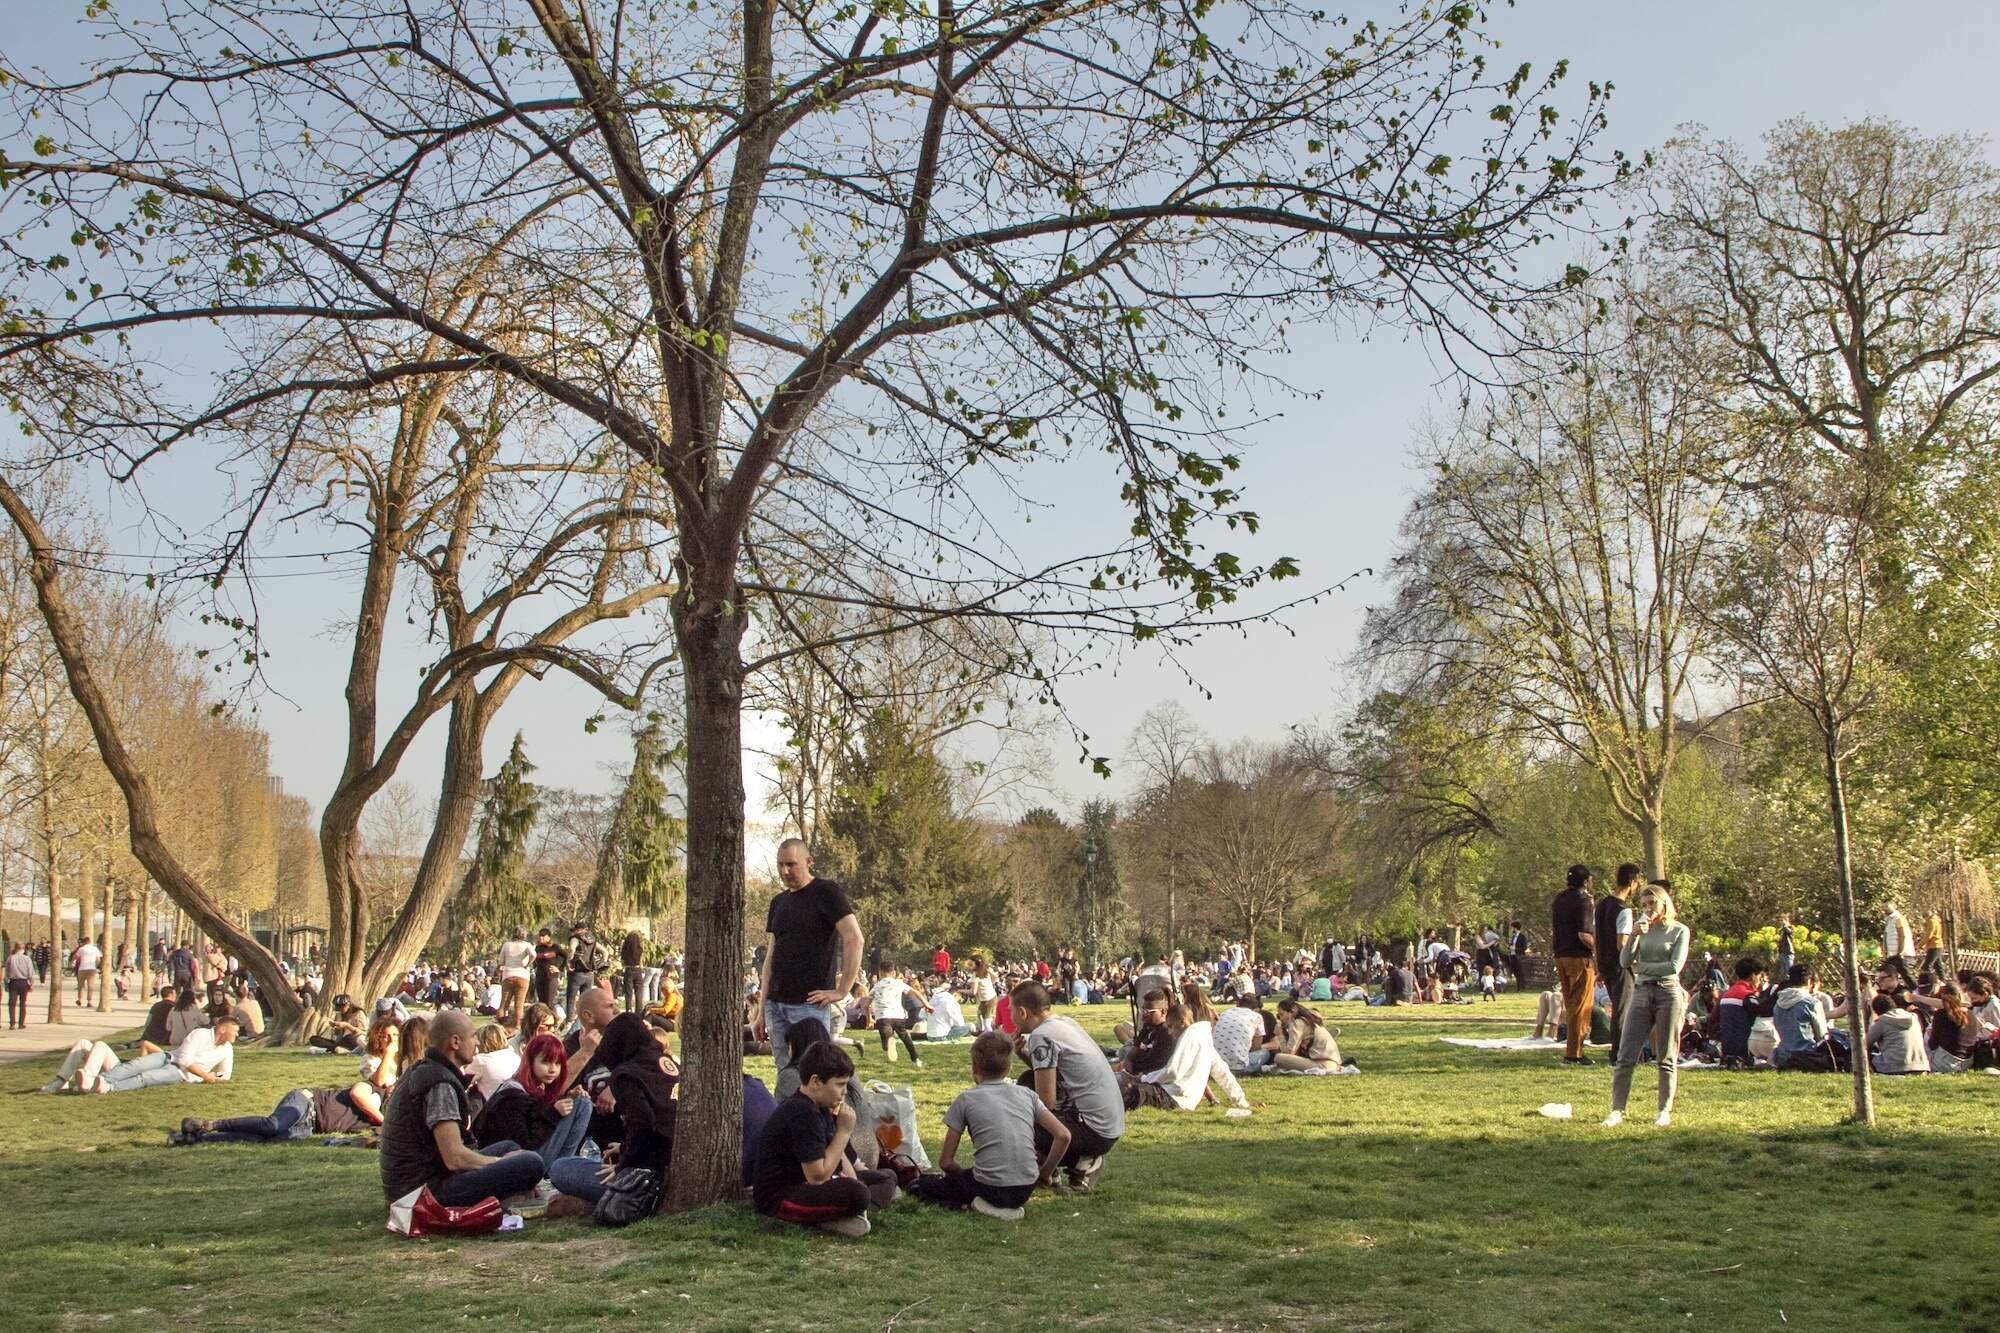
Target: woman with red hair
(530, 1108)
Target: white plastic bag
(895, 1110)
(1558, 1110)
(400, 1212)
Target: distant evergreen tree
(1100, 907)
(499, 893)
(919, 873)
(639, 870)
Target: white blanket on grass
(1540, 1044)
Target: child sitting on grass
(1001, 1116)
(801, 1173)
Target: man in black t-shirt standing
(1614, 927)
(812, 956)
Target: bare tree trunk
(107, 966)
(708, 1135)
(146, 940)
(1843, 864)
(437, 873)
(1653, 837)
(55, 933)
(142, 820)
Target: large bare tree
(844, 273)
(1553, 564)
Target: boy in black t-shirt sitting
(802, 1173)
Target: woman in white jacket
(1194, 1065)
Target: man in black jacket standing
(1572, 920)
(1614, 927)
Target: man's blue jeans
(516, 1170)
(778, 1022)
(289, 1121)
(146, 1071)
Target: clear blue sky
(1329, 477)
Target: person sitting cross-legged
(424, 1129)
(802, 1173)
(1002, 1117)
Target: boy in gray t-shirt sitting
(1001, 1116)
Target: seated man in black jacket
(424, 1129)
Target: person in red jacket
(941, 961)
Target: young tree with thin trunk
(1797, 603)
(833, 263)
(1162, 748)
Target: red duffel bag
(420, 1214)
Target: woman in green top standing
(1653, 958)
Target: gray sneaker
(855, 1227)
(1083, 1176)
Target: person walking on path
(20, 980)
(1656, 1004)
(586, 960)
(810, 935)
(632, 955)
(1898, 945)
(1572, 921)
(1613, 928)
(1786, 953)
(85, 961)
(1932, 948)
(517, 959)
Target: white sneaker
(856, 1226)
(1614, 1120)
(995, 1210)
(1664, 1120)
(918, 1063)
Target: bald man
(424, 1129)
(812, 955)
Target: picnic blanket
(1503, 1043)
(1540, 1044)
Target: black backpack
(629, 1196)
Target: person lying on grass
(299, 1114)
(802, 1173)
(1001, 1117)
(206, 1055)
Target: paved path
(42, 1038)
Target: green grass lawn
(1426, 1193)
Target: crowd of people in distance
(545, 1076)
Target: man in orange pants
(1572, 917)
